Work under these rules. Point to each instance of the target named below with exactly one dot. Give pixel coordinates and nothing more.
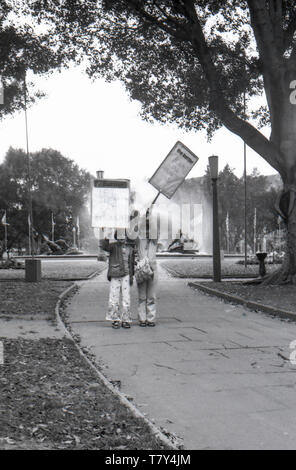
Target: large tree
(190, 62)
(59, 189)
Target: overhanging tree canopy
(24, 48)
(59, 189)
(190, 61)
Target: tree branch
(289, 32)
(250, 135)
(246, 131)
(276, 16)
(194, 34)
(163, 12)
(265, 36)
(153, 20)
(268, 36)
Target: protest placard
(173, 170)
(110, 203)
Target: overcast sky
(97, 126)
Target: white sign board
(110, 203)
(173, 170)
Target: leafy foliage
(187, 61)
(135, 42)
(59, 187)
(260, 196)
(24, 48)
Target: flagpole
(5, 234)
(5, 237)
(30, 220)
(52, 227)
(29, 225)
(227, 231)
(78, 233)
(74, 237)
(245, 186)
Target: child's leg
(126, 300)
(114, 295)
(151, 299)
(142, 301)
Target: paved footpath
(212, 373)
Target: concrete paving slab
(215, 374)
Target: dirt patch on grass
(51, 399)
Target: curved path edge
(247, 303)
(173, 443)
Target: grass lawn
(281, 297)
(59, 269)
(203, 267)
(49, 396)
(30, 298)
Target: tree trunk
(287, 273)
(284, 138)
(291, 240)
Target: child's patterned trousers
(119, 286)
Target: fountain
(189, 212)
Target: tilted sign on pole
(173, 170)
(110, 203)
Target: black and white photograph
(147, 228)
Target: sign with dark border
(110, 203)
(173, 170)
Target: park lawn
(59, 269)
(203, 267)
(30, 299)
(51, 399)
(281, 297)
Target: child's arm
(109, 241)
(105, 245)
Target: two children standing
(123, 253)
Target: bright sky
(96, 125)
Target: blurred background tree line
(262, 218)
(60, 196)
